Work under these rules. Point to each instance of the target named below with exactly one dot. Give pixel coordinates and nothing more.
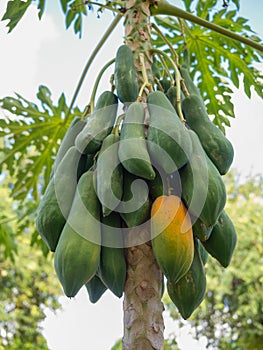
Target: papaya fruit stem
(159, 84)
(166, 69)
(178, 79)
(144, 73)
(96, 84)
(146, 83)
(115, 130)
(86, 112)
(162, 7)
(102, 41)
(172, 50)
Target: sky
(43, 53)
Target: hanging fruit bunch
(158, 164)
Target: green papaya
(68, 140)
(112, 268)
(95, 288)
(165, 84)
(83, 165)
(56, 202)
(172, 96)
(203, 189)
(133, 152)
(188, 293)
(169, 143)
(203, 253)
(125, 75)
(201, 231)
(90, 161)
(77, 256)
(222, 242)
(135, 206)
(159, 185)
(109, 174)
(99, 124)
(191, 87)
(218, 148)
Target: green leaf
(203, 7)
(236, 2)
(44, 96)
(41, 8)
(15, 10)
(31, 138)
(70, 18)
(74, 10)
(78, 25)
(187, 4)
(216, 61)
(7, 239)
(64, 5)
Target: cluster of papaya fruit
(146, 165)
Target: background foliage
(27, 283)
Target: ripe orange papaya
(172, 236)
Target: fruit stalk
(143, 321)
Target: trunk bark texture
(143, 321)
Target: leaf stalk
(164, 8)
(90, 61)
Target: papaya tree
(131, 190)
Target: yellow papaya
(172, 236)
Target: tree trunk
(143, 321)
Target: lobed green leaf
(15, 10)
(31, 137)
(216, 61)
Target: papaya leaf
(203, 8)
(64, 5)
(31, 137)
(15, 10)
(216, 61)
(41, 8)
(74, 10)
(187, 4)
(8, 242)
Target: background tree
(27, 283)
(41, 128)
(231, 315)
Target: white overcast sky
(43, 52)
